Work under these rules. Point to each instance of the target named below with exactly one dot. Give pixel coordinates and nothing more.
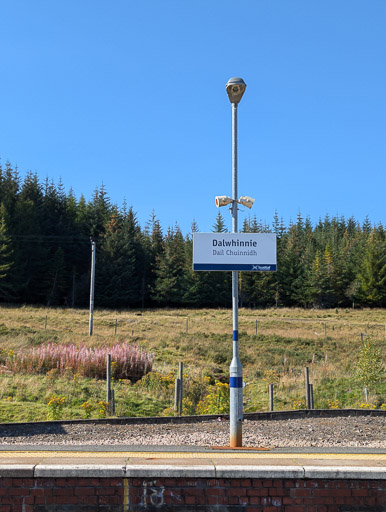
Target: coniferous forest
(45, 256)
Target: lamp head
(246, 201)
(235, 89)
(223, 201)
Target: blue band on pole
(235, 335)
(236, 382)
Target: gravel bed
(352, 431)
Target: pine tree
(6, 261)
(170, 284)
(372, 273)
(219, 225)
(29, 249)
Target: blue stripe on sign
(242, 267)
(236, 382)
(235, 335)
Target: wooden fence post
(311, 396)
(180, 394)
(307, 383)
(108, 382)
(271, 397)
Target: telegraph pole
(92, 287)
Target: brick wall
(188, 494)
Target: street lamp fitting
(235, 89)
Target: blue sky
(132, 95)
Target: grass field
(275, 346)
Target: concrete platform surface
(193, 464)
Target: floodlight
(246, 201)
(223, 201)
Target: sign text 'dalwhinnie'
(253, 252)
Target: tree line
(45, 256)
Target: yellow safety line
(189, 455)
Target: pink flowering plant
(130, 360)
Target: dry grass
(286, 341)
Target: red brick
(341, 492)
(188, 482)
(237, 492)
(359, 492)
(279, 491)
(37, 492)
(61, 491)
(211, 500)
(94, 482)
(222, 500)
(60, 482)
(257, 492)
(359, 500)
(84, 491)
(301, 492)
(110, 500)
(267, 483)
(214, 491)
(254, 500)
(104, 491)
(322, 492)
(88, 500)
(27, 482)
(193, 492)
(289, 483)
(314, 483)
(246, 483)
(322, 500)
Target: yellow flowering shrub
(216, 401)
(333, 404)
(55, 406)
(87, 407)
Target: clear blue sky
(132, 94)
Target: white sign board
(253, 252)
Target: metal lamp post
(235, 89)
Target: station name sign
(252, 252)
